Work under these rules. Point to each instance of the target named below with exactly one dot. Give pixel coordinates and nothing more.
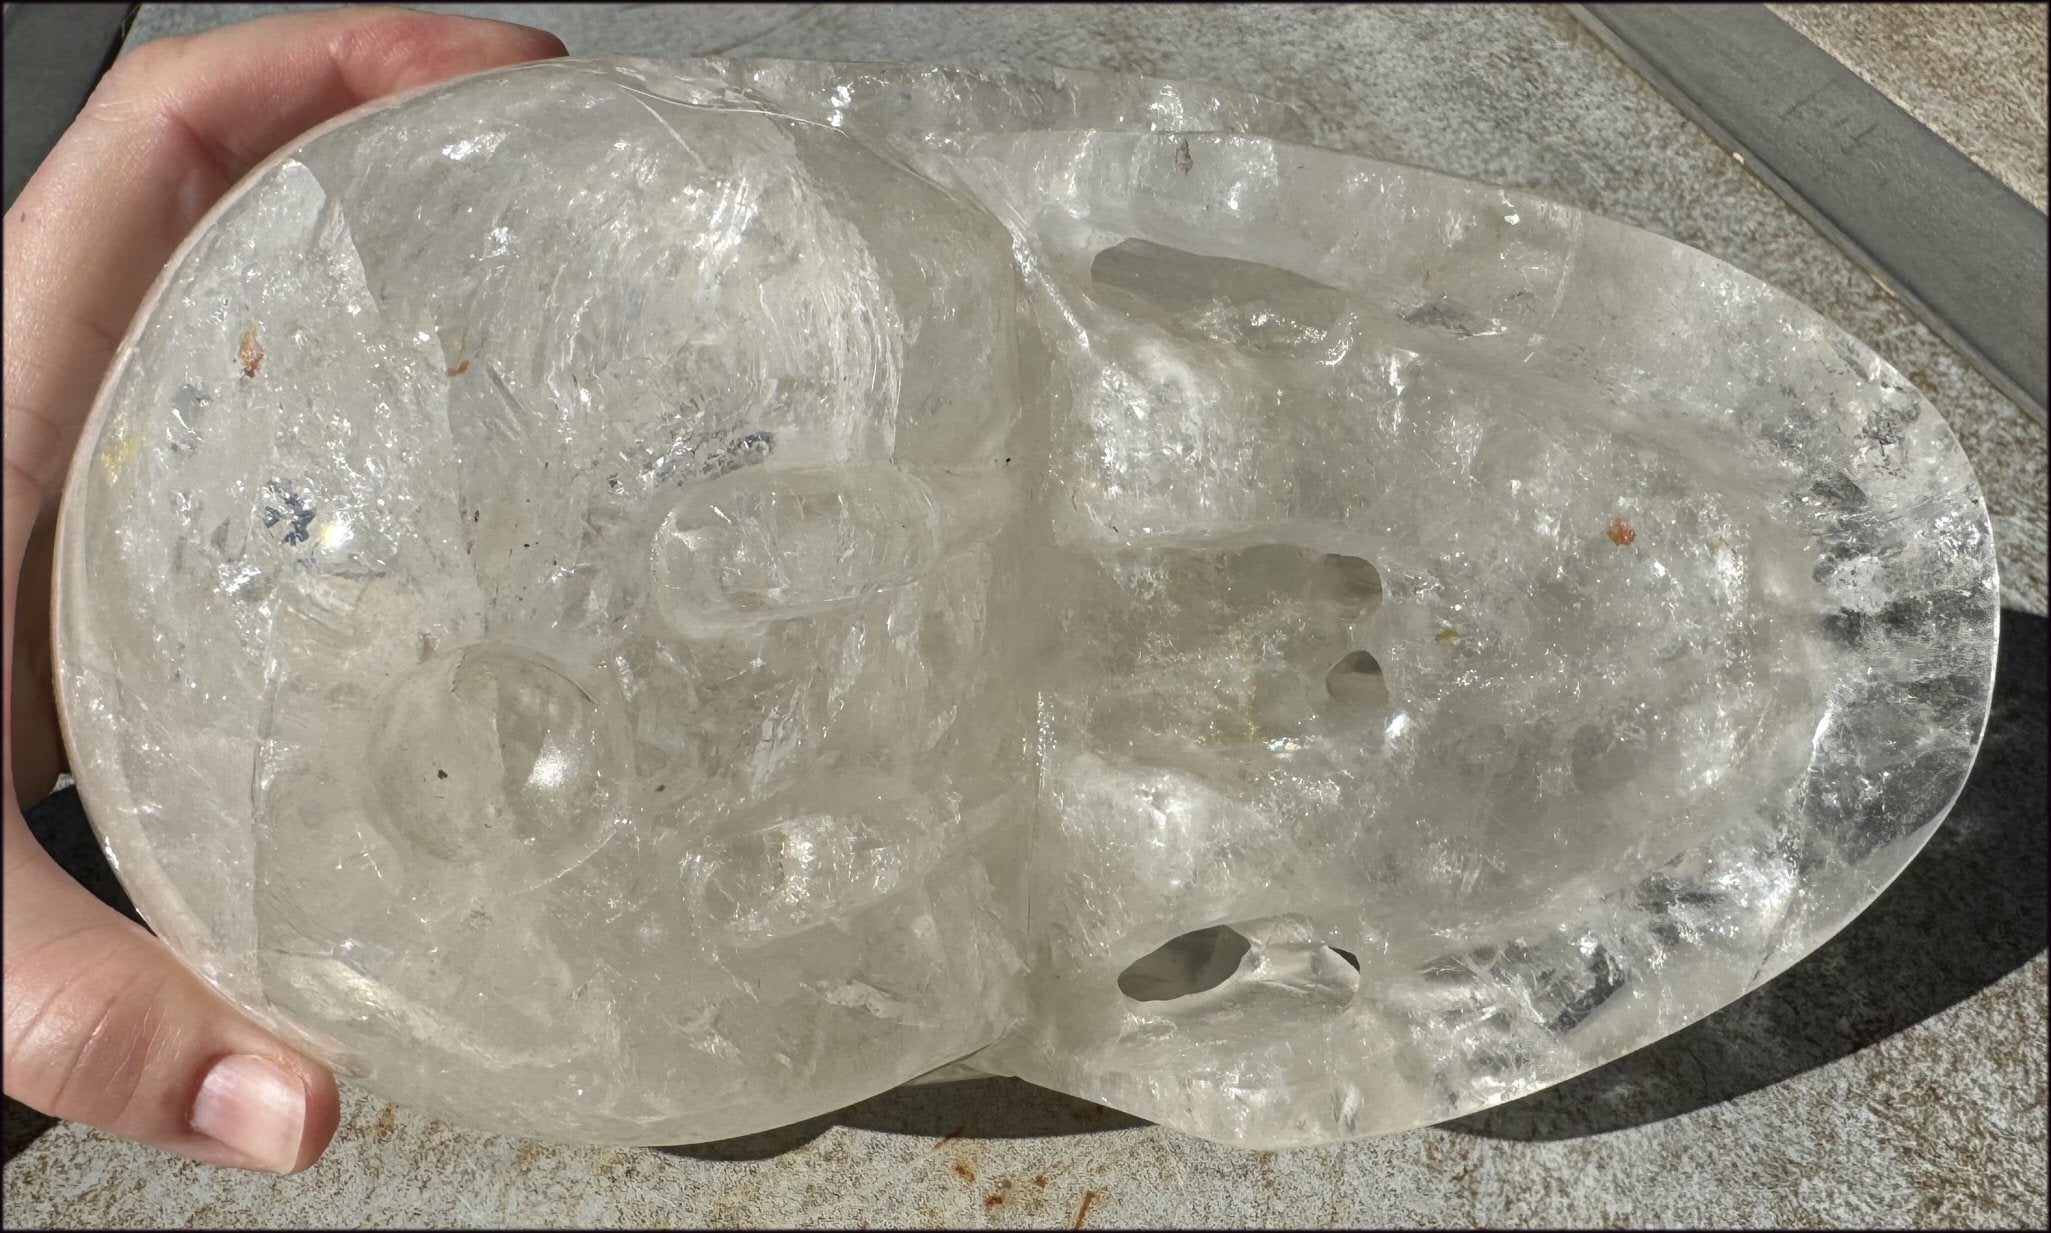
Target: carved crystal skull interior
(643, 602)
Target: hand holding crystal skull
(104, 1025)
(642, 602)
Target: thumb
(104, 1026)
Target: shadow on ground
(1968, 911)
(966, 1109)
(21, 1126)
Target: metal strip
(1959, 247)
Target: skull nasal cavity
(1355, 683)
(1353, 582)
(1190, 963)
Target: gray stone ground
(1895, 1078)
(1972, 73)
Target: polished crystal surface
(644, 602)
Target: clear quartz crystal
(643, 602)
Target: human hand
(103, 1025)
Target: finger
(103, 1026)
(171, 127)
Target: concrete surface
(1974, 73)
(1895, 1078)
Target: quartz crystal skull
(642, 602)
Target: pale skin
(102, 1025)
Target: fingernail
(255, 1108)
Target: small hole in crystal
(1191, 963)
(1348, 956)
(1355, 581)
(1357, 678)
